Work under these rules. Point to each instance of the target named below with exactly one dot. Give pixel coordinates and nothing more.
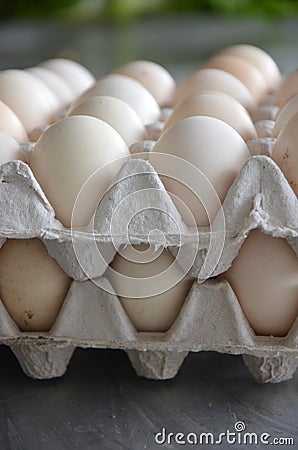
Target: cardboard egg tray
(92, 315)
(211, 318)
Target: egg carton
(259, 197)
(211, 318)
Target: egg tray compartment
(259, 197)
(211, 319)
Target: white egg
(154, 77)
(128, 90)
(11, 124)
(247, 73)
(260, 59)
(285, 152)
(120, 115)
(78, 77)
(287, 89)
(215, 79)
(77, 151)
(56, 83)
(30, 99)
(199, 147)
(285, 114)
(223, 107)
(32, 285)
(152, 288)
(264, 277)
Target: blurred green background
(179, 34)
(123, 10)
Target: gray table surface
(100, 403)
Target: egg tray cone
(211, 318)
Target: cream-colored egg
(67, 155)
(285, 152)
(248, 74)
(287, 89)
(30, 99)
(223, 107)
(11, 124)
(154, 77)
(215, 79)
(214, 150)
(56, 83)
(128, 90)
(78, 77)
(260, 59)
(264, 277)
(120, 115)
(153, 288)
(32, 285)
(10, 149)
(285, 114)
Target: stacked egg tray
(211, 318)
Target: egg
(10, 149)
(285, 114)
(128, 90)
(264, 277)
(198, 159)
(30, 99)
(11, 124)
(56, 83)
(32, 285)
(285, 152)
(287, 89)
(248, 74)
(154, 77)
(77, 151)
(77, 77)
(215, 79)
(151, 286)
(222, 107)
(120, 115)
(260, 59)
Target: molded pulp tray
(211, 318)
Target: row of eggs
(208, 127)
(119, 101)
(263, 277)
